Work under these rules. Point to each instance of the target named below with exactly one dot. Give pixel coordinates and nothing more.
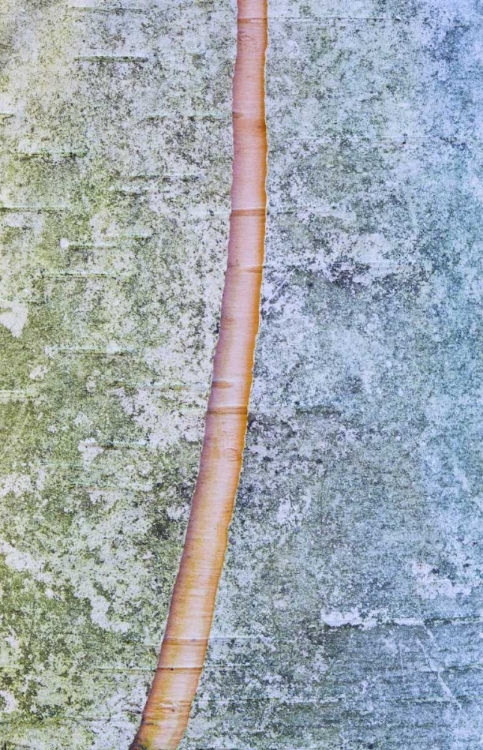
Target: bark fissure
(185, 641)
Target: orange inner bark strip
(183, 649)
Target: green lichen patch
(113, 229)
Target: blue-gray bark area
(350, 611)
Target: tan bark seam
(183, 649)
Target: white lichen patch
(24, 562)
(38, 373)
(354, 618)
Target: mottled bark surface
(114, 204)
(350, 611)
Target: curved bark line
(183, 650)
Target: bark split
(183, 649)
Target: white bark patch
(89, 450)
(11, 704)
(339, 619)
(16, 483)
(429, 585)
(14, 318)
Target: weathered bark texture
(116, 156)
(350, 611)
(165, 716)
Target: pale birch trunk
(350, 612)
(116, 155)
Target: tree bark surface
(115, 159)
(349, 615)
(350, 610)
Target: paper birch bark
(116, 156)
(349, 615)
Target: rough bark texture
(114, 206)
(350, 613)
(350, 610)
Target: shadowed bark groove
(183, 650)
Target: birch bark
(349, 614)
(115, 159)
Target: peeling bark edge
(166, 713)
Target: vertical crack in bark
(183, 649)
